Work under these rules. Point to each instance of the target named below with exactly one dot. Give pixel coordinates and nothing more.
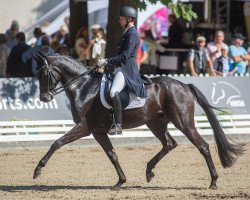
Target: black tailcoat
(126, 59)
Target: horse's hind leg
(75, 133)
(159, 129)
(105, 143)
(188, 129)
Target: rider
(126, 72)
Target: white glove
(102, 62)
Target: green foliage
(179, 8)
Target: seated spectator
(214, 48)
(38, 34)
(11, 34)
(238, 53)
(44, 48)
(199, 60)
(222, 64)
(142, 54)
(15, 65)
(4, 54)
(81, 42)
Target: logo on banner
(224, 92)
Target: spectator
(198, 59)
(61, 34)
(4, 54)
(151, 48)
(11, 34)
(63, 50)
(239, 55)
(97, 45)
(43, 48)
(142, 54)
(222, 64)
(214, 48)
(81, 42)
(15, 65)
(175, 32)
(38, 34)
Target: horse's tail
(228, 152)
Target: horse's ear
(40, 58)
(34, 56)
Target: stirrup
(115, 129)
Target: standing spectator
(214, 48)
(175, 32)
(198, 59)
(222, 64)
(38, 34)
(61, 34)
(11, 34)
(142, 54)
(4, 54)
(81, 42)
(97, 45)
(43, 48)
(239, 55)
(151, 48)
(15, 65)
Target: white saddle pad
(134, 101)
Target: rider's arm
(127, 50)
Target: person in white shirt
(214, 48)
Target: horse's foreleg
(159, 129)
(105, 143)
(78, 131)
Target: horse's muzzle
(46, 97)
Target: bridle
(51, 77)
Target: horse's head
(47, 75)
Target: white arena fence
(13, 131)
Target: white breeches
(118, 83)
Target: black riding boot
(116, 128)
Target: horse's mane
(70, 62)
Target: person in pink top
(214, 48)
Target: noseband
(51, 76)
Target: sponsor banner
(19, 98)
(229, 93)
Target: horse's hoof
(37, 172)
(213, 187)
(150, 176)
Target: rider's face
(122, 21)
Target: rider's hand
(102, 62)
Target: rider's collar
(127, 29)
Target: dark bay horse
(168, 100)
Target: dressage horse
(168, 100)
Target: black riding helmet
(127, 11)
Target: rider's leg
(117, 86)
